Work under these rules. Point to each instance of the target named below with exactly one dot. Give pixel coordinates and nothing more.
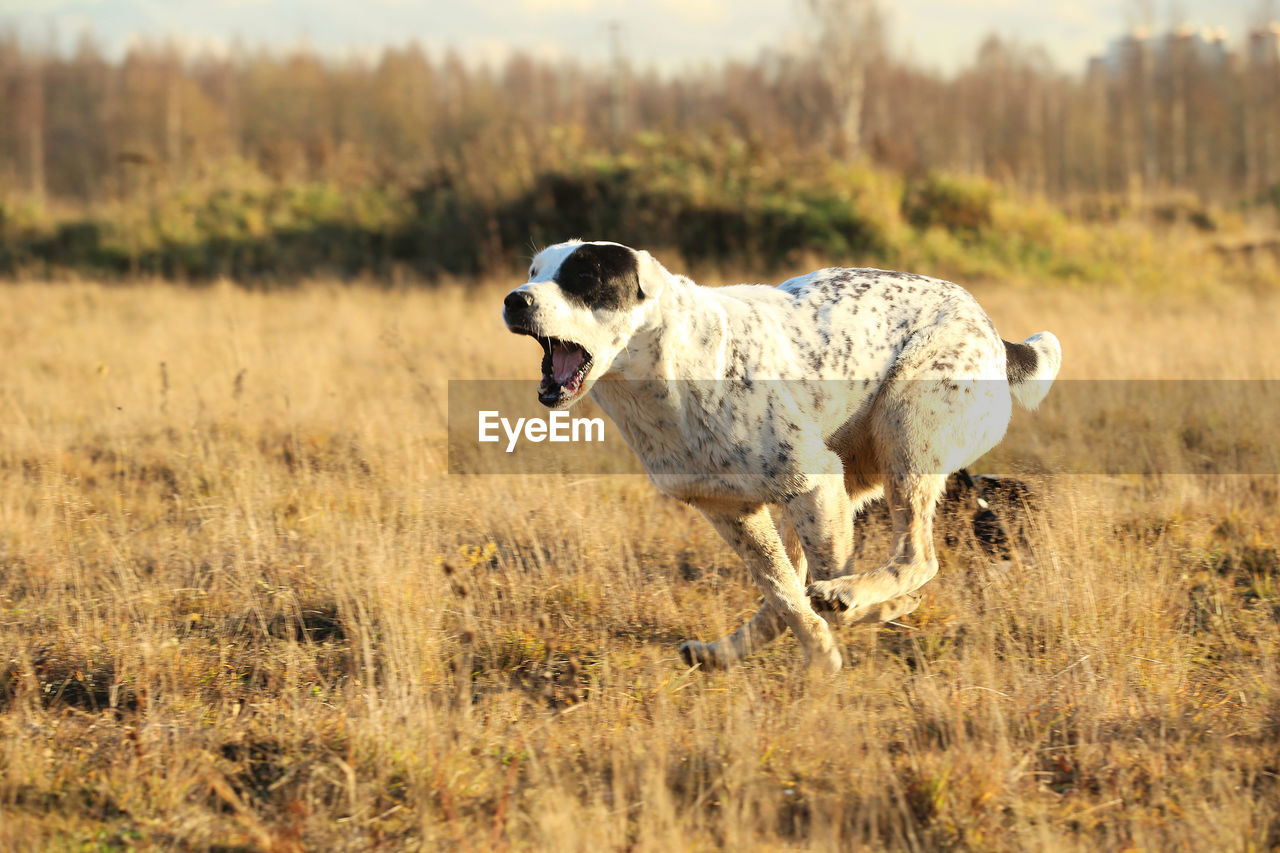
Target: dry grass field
(244, 607)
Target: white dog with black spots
(816, 396)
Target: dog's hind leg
(761, 629)
(750, 531)
(887, 592)
(924, 429)
(894, 608)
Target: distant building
(1205, 47)
(1264, 45)
(1128, 53)
(1209, 45)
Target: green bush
(714, 207)
(705, 203)
(960, 205)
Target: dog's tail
(1031, 367)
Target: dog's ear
(652, 275)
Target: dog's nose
(518, 300)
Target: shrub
(960, 205)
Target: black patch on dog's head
(601, 277)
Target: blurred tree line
(122, 161)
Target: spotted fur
(815, 396)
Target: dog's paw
(689, 654)
(831, 596)
(834, 601)
(692, 652)
(826, 662)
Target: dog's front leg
(761, 629)
(823, 522)
(750, 532)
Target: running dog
(817, 396)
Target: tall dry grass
(243, 607)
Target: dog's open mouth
(565, 365)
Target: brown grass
(243, 607)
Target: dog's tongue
(565, 361)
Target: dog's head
(582, 302)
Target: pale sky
(667, 34)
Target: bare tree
(848, 37)
(1173, 110)
(34, 119)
